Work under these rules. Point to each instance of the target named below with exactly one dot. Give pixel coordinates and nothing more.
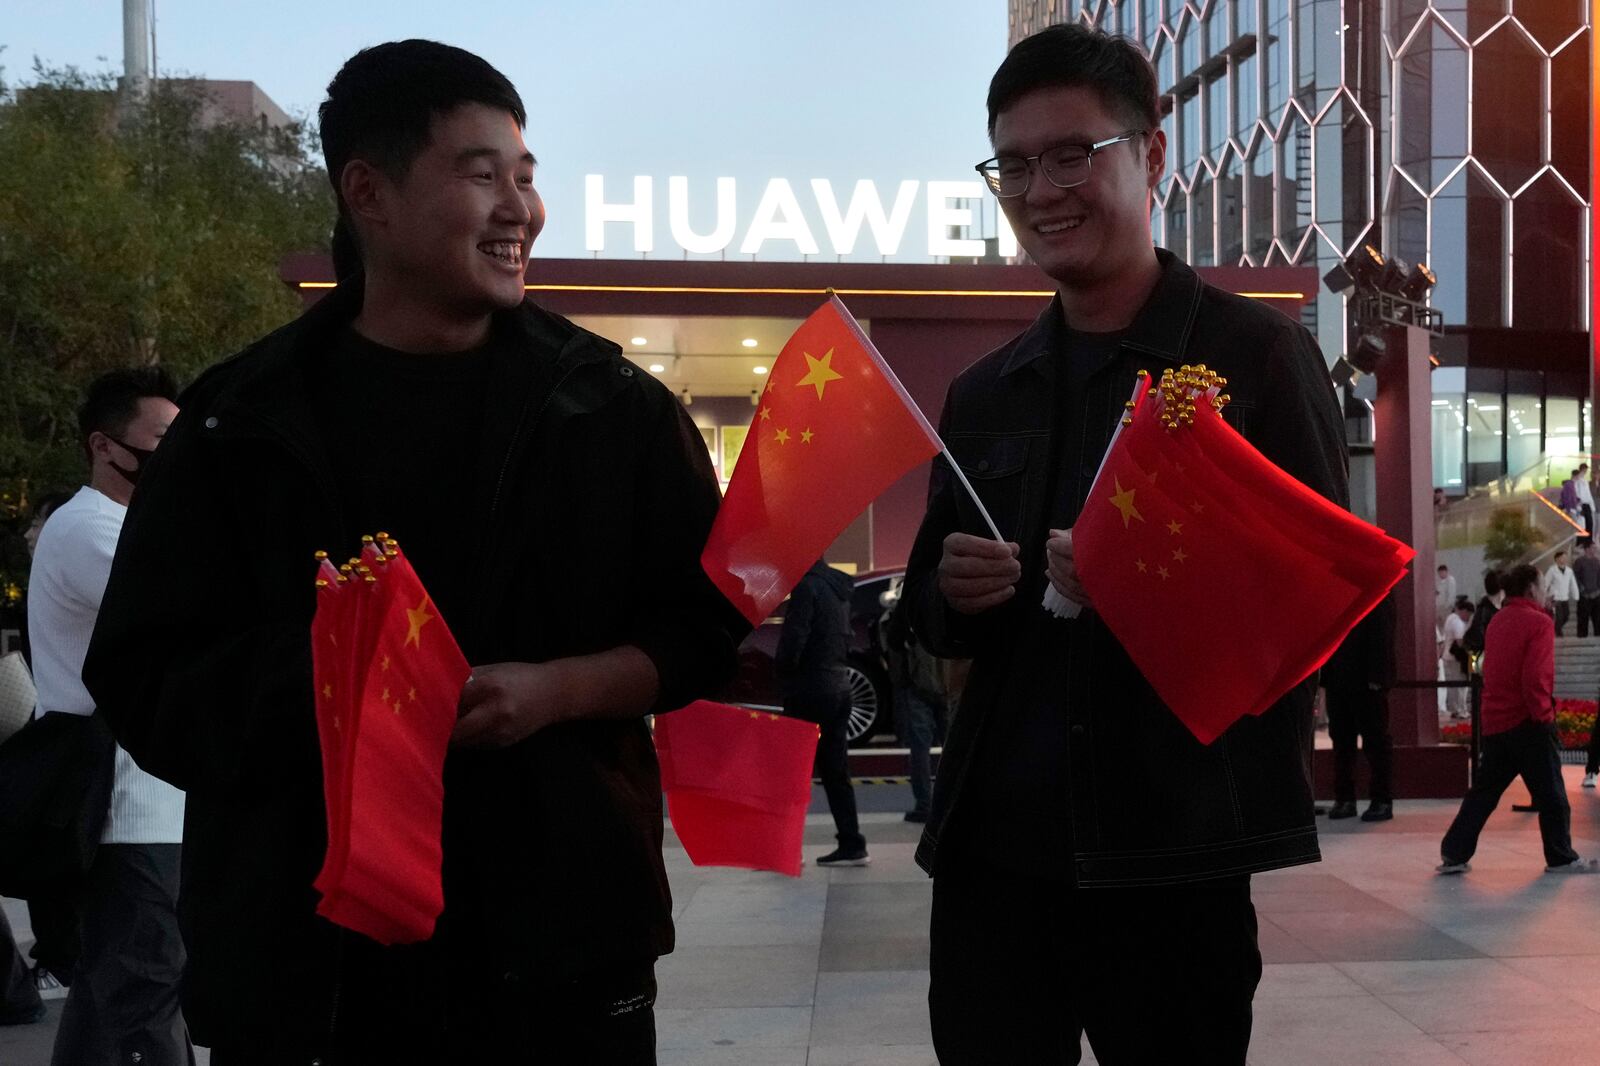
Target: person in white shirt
(1585, 497)
(1444, 594)
(123, 1001)
(1453, 656)
(1561, 590)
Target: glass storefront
(1489, 424)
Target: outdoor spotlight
(1338, 280)
(1365, 266)
(1393, 276)
(1418, 282)
(1343, 372)
(1368, 353)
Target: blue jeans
(915, 719)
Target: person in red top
(1519, 732)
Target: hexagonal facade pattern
(1475, 126)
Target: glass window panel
(1431, 107)
(1230, 211)
(1321, 48)
(1569, 113)
(1178, 225)
(1217, 28)
(1149, 24)
(1216, 115)
(1277, 53)
(1203, 245)
(1523, 444)
(1547, 259)
(1294, 183)
(1260, 201)
(1245, 102)
(1485, 431)
(1408, 222)
(1506, 136)
(1188, 48)
(1561, 428)
(1468, 213)
(1449, 418)
(1245, 16)
(1189, 131)
(1119, 20)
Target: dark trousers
(1021, 967)
(1362, 713)
(1588, 615)
(1591, 765)
(19, 998)
(915, 722)
(832, 714)
(606, 1017)
(1531, 751)
(55, 934)
(123, 1006)
(1563, 611)
(1588, 519)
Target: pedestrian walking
(1357, 679)
(1560, 590)
(918, 697)
(1453, 657)
(123, 998)
(1519, 733)
(553, 498)
(1483, 612)
(1444, 594)
(20, 1003)
(1585, 495)
(812, 665)
(1586, 569)
(1088, 853)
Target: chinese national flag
(1227, 581)
(738, 784)
(833, 430)
(385, 709)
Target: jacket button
(983, 464)
(1078, 730)
(211, 423)
(627, 371)
(136, 1056)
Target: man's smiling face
(1095, 231)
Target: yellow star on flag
(1174, 527)
(1180, 555)
(805, 436)
(1123, 501)
(327, 691)
(821, 372)
(419, 617)
(385, 697)
(386, 662)
(766, 413)
(1163, 572)
(412, 695)
(782, 437)
(1140, 564)
(1197, 507)
(396, 706)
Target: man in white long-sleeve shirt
(123, 1004)
(1580, 484)
(1561, 590)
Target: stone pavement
(1369, 958)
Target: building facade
(1449, 132)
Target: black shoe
(1343, 809)
(1378, 812)
(841, 857)
(918, 815)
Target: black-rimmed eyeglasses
(1064, 166)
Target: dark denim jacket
(1150, 804)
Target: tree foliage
(133, 231)
(1511, 536)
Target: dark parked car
(871, 698)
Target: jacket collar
(1160, 330)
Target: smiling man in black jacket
(555, 501)
(1091, 859)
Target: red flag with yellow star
(738, 784)
(1187, 522)
(385, 712)
(833, 430)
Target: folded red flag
(382, 874)
(833, 430)
(1188, 513)
(738, 784)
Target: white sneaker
(1588, 780)
(49, 986)
(1447, 867)
(1576, 866)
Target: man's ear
(1156, 157)
(362, 187)
(99, 446)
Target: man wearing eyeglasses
(1091, 859)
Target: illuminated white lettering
(865, 206)
(678, 216)
(596, 213)
(778, 218)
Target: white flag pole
(911, 405)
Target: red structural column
(1403, 456)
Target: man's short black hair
(1073, 55)
(1463, 603)
(1443, 567)
(1493, 580)
(112, 399)
(382, 103)
(1521, 580)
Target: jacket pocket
(997, 468)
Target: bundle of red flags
(1227, 581)
(834, 429)
(738, 784)
(388, 678)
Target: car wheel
(869, 704)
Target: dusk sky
(886, 90)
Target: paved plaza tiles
(1369, 958)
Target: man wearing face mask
(123, 1003)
